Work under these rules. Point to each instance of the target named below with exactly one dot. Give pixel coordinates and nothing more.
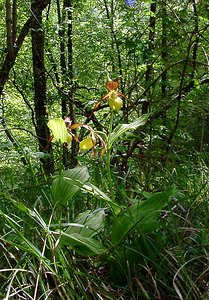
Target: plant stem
(109, 158)
(60, 159)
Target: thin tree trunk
(192, 45)
(194, 59)
(63, 65)
(196, 41)
(10, 44)
(66, 67)
(12, 52)
(179, 97)
(9, 61)
(40, 100)
(164, 87)
(149, 71)
(110, 16)
(164, 59)
(74, 144)
(14, 21)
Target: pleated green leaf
(96, 192)
(82, 245)
(68, 183)
(142, 215)
(122, 128)
(92, 221)
(58, 129)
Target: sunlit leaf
(122, 128)
(92, 189)
(58, 129)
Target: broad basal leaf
(142, 215)
(82, 245)
(68, 183)
(92, 221)
(95, 191)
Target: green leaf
(92, 221)
(24, 243)
(82, 245)
(142, 215)
(42, 155)
(122, 128)
(19, 205)
(95, 191)
(68, 183)
(58, 129)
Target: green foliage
(93, 190)
(122, 128)
(58, 129)
(88, 223)
(66, 184)
(81, 244)
(142, 215)
(113, 227)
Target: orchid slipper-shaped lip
(115, 102)
(86, 144)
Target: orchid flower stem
(109, 159)
(60, 159)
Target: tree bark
(149, 71)
(40, 99)
(9, 26)
(14, 45)
(63, 65)
(74, 145)
(164, 59)
(10, 61)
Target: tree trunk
(149, 71)
(9, 61)
(164, 60)
(40, 101)
(63, 66)
(74, 145)
(12, 40)
(9, 26)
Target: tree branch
(10, 61)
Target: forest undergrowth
(92, 232)
(104, 150)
